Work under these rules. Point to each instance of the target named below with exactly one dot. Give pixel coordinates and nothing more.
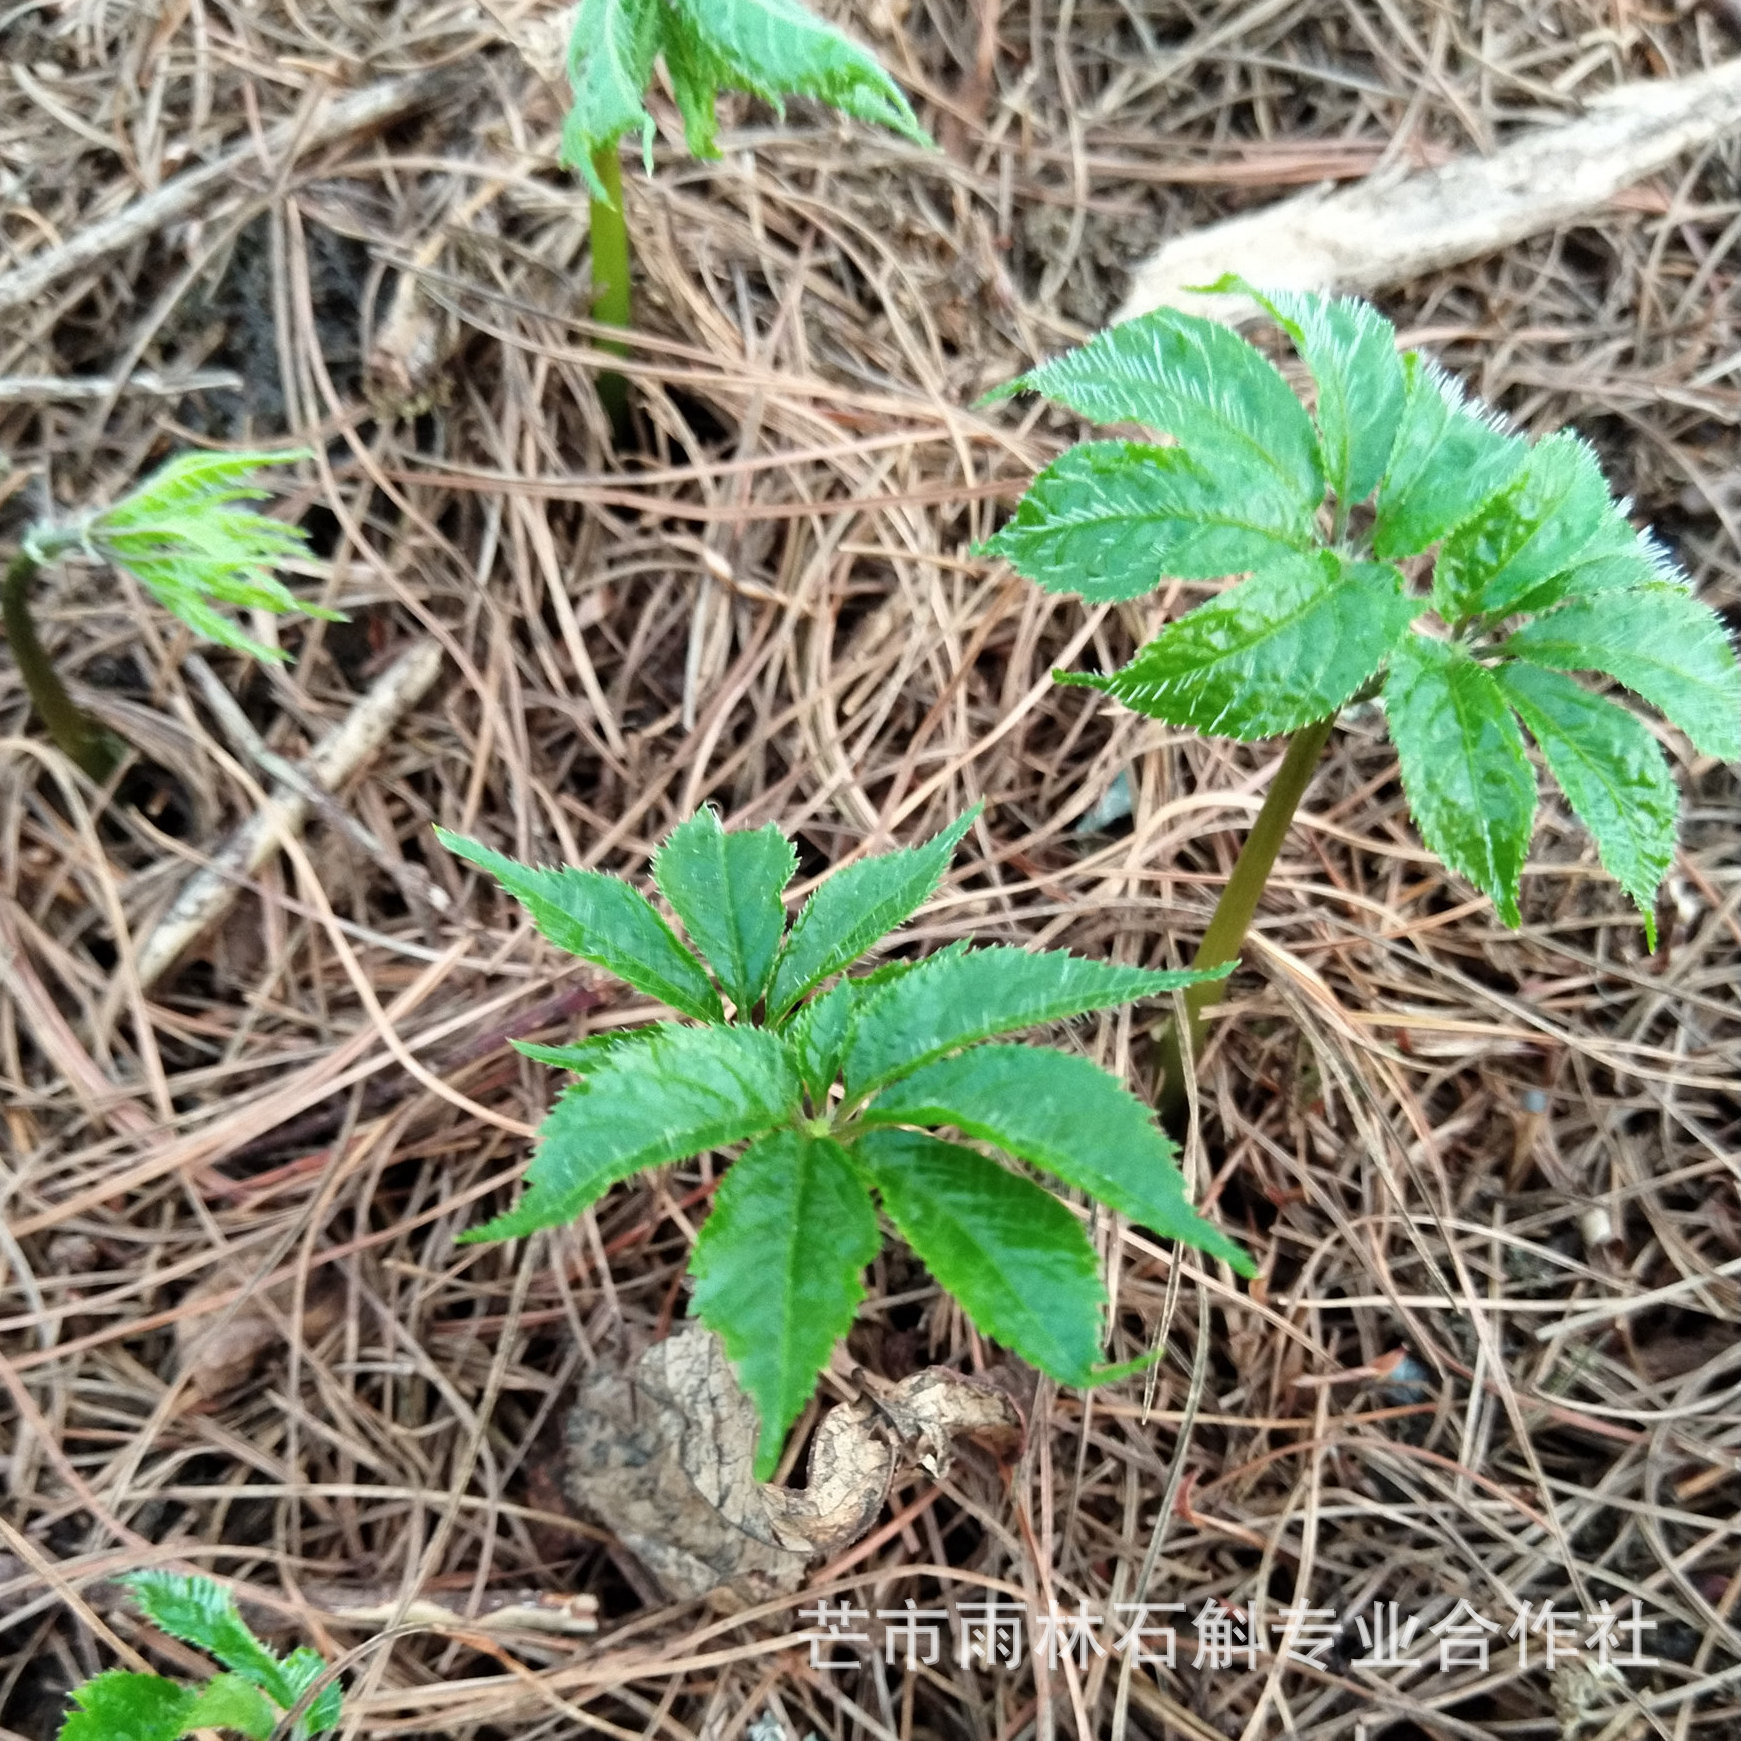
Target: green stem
(610, 279)
(73, 731)
(1233, 912)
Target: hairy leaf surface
(1203, 384)
(610, 62)
(302, 1668)
(677, 1094)
(857, 906)
(1662, 644)
(1065, 1114)
(955, 1000)
(122, 1706)
(1518, 541)
(1616, 559)
(1468, 780)
(1111, 519)
(779, 1271)
(1448, 458)
(726, 889)
(1271, 654)
(1350, 349)
(601, 919)
(778, 48)
(1010, 1252)
(1610, 768)
(202, 1613)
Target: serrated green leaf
(1617, 559)
(203, 1613)
(121, 1706)
(726, 890)
(230, 1702)
(601, 919)
(1519, 540)
(778, 1271)
(1111, 519)
(1065, 1114)
(1220, 398)
(1662, 644)
(855, 907)
(611, 51)
(302, 1668)
(1610, 769)
(696, 77)
(1450, 455)
(182, 537)
(679, 1093)
(1010, 1252)
(1270, 655)
(956, 1000)
(584, 1056)
(1469, 783)
(1350, 349)
(777, 48)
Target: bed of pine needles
(1492, 1176)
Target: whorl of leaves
(1521, 569)
(834, 1082)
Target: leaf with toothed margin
(1274, 653)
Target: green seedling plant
(837, 1083)
(1398, 543)
(770, 48)
(182, 535)
(254, 1696)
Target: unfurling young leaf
(253, 1699)
(183, 537)
(1517, 549)
(778, 1266)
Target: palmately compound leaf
(1220, 398)
(1520, 540)
(1112, 519)
(726, 889)
(1448, 458)
(230, 1702)
(122, 1706)
(601, 919)
(1610, 769)
(1271, 654)
(610, 61)
(1067, 1115)
(778, 1271)
(1350, 349)
(955, 1000)
(778, 48)
(1468, 780)
(856, 907)
(1008, 1250)
(677, 1094)
(1662, 644)
(182, 536)
(203, 1613)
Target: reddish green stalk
(1233, 912)
(610, 279)
(74, 732)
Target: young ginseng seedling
(1399, 542)
(253, 1697)
(770, 48)
(183, 537)
(835, 1084)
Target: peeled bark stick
(181, 194)
(210, 893)
(1384, 231)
